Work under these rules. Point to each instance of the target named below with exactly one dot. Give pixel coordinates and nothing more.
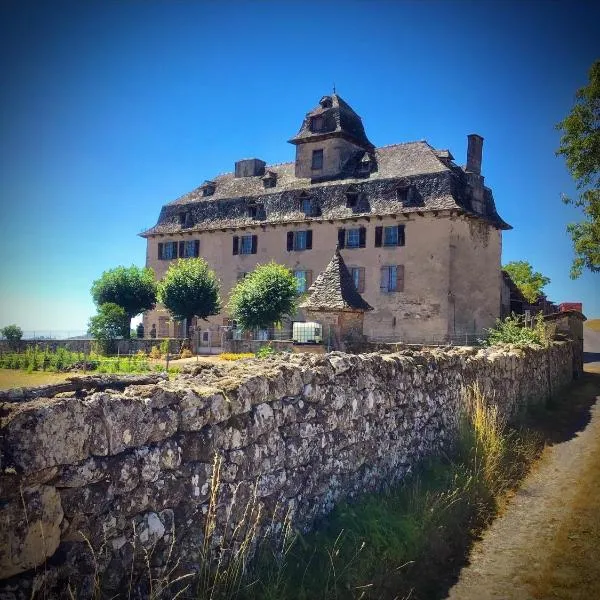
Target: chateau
(419, 234)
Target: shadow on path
(568, 412)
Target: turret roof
(334, 289)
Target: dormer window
(317, 123)
(364, 166)
(326, 102)
(351, 197)
(208, 188)
(185, 219)
(269, 180)
(403, 193)
(254, 210)
(305, 204)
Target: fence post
(167, 359)
(84, 357)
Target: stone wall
(129, 467)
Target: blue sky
(111, 109)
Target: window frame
(390, 228)
(398, 279)
(317, 159)
(307, 279)
(350, 233)
(246, 244)
(358, 278)
(162, 250)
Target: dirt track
(531, 551)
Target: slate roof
(338, 117)
(334, 289)
(436, 182)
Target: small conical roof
(334, 289)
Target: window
(317, 123)
(303, 280)
(299, 240)
(245, 244)
(269, 182)
(358, 277)
(252, 210)
(306, 205)
(352, 238)
(389, 236)
(402, 194)
(317, 160)
(189, 249)
(208, 188)
(167, 251)
(392, 278)
(351, 197)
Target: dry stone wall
(127, 468)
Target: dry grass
(11, 378)
(593, 324)
(572, 569)
(235, 355)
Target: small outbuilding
(334, 302)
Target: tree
(580, 145)
(132, 288)
(13, 334)
(108, 325)
(189, 289)
(264, 296)
(529, 282)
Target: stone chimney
(474, 152)
(250, 167)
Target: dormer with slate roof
(331, 141)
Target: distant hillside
(593, 324)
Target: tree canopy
(264, 296)
(190, 288)
(13, 334)
(132, 288)
(108, 325)
(580, 146)
(531, 283)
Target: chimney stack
(474, 152)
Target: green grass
(11, 378)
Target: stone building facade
(420, 235)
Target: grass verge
(11, 378)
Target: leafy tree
(264, 296)
(108, 325)
(190, 288)
(13, 334)
(580, 145)
(132, 288)
(529, 282)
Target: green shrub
(264, 351)
(512, 330)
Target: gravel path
(518, 542)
